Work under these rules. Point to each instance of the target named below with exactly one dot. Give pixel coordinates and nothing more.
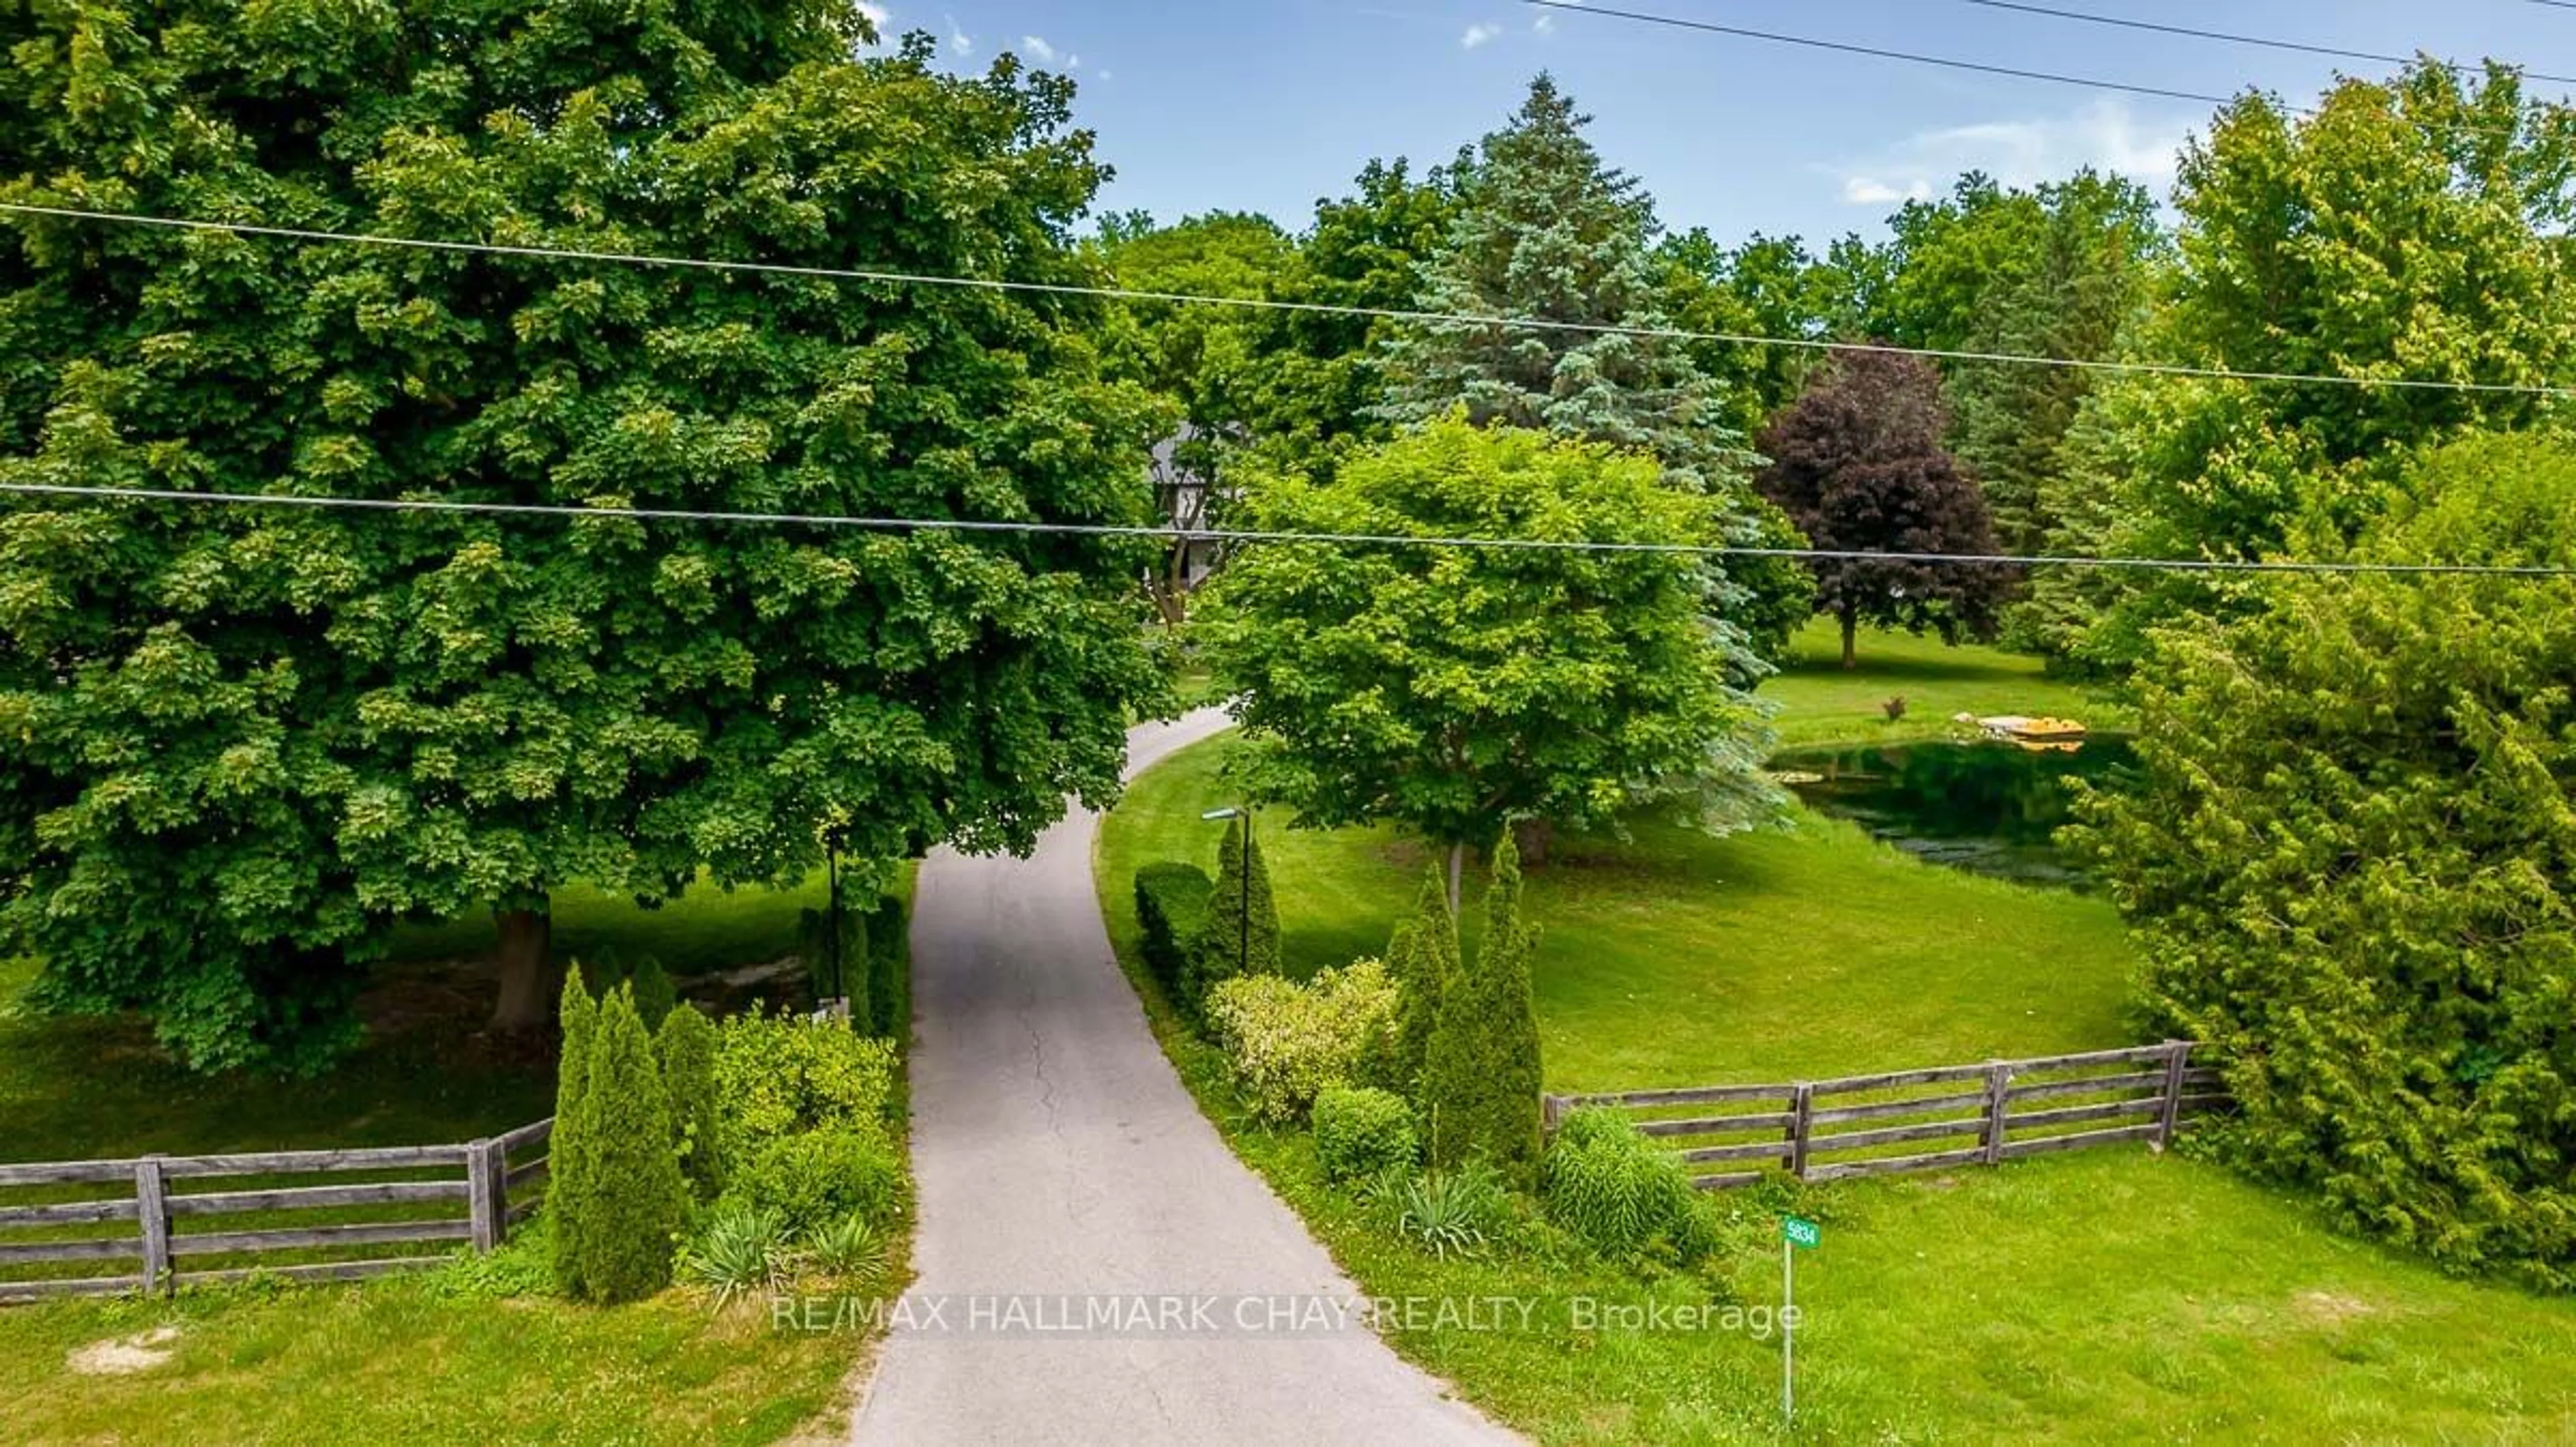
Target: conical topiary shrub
(630, 1209)
(1481, 1072)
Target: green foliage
(1422, 958)
(854, 1251)
(1287, 1043)
(2304, 249)
(814, 939)
(815, 1177)
(1171, 907)
(1361, 1132)
(520, 1267)
(1858, 464)
(741, 1251)
(890, 972)
(1480, 1086)
(1445, 690)
(1545, 228)
(685, 1050)
(2347, 857)
(1464, 1212)
(780, 1075)
(1619, 1191)
(626, 1219)
(1239, 931)
(2084, 259)
(570, 1148)
(656, 996)
(328, 720)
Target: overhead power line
(2193, 32)
(1231, 535)
(1980, 67)
(1395, 314)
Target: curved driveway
(1095, 1264)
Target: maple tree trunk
(523, 955)
(1851, 637)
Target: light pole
(1243, 906)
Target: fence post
(152, 1214)
(1998, 1096)
(2177, 1057)
(1551, 1110)
(1802, 1109)
(483, 1194)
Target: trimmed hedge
(1287, 1043)
(778, 1075)
(814, 942)
(1422, 957)
(1362, 1132)
(1239, 933)
(814, 1178)
(685, 1048)
(628, 1215)
(890, 972)
(1481, 1074)
(568, 1150)
(1171, 908)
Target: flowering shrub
(1288, 1042)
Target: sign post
(1797, 1233)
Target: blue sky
(1264, 105)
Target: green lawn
(400, 1357)
(391, 1361)
(1682, 960)
(2106, 1296)
(1821, 703)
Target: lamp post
(1242, 906)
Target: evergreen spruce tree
(1422, 957)
(1546, 230)
(1481, 1074)
(630, 1212)
(568, 1149)
(685, 1050)
(1241, 933)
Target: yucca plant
(741, 1251)
(851, 1250)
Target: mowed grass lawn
(1822, 703)
(402, 1358)
(1676, 959)
(2104, 1296)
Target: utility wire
(2193, 32)
(1231, 535)
(1980, 67)
(1394, 314)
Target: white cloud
(1037, 46)
(1871, 191)
(1478, 34)
(1545, 24)
(2106, 134)
(958, 40)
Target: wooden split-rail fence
(1921, 1120)
(176, 1221)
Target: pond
(1989, 808)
